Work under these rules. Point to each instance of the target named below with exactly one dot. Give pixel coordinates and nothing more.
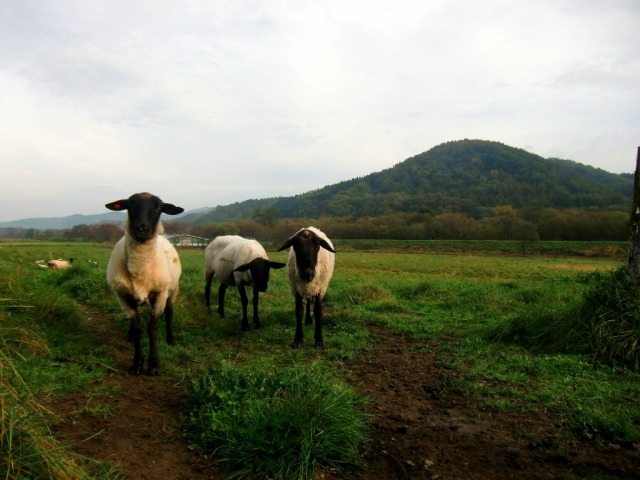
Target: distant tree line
(504, 223)
(103, 232)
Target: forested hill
(466, 176)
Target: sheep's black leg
(207, 291)
(135, 333)
(297, 341)
(221, 291)
(245, 303)
(307, 319)
(153, 367)
(317, 313)
(256, 317)
(168, 320)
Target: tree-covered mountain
(466, 176)
(470, 177)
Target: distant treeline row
(506, 223)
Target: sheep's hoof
(296, 344)
(136, 370)
(320, 346)
(153, 365)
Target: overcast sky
(209, 102)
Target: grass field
(466, 301)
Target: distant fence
(185, 240)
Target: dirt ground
(421, 430)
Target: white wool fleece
(324, 271)
(139, 269)
(229, 252)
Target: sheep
(309, 268)
(238, 262)
(144, 269)
(60, 264)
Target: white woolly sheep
(309, 268)
(144, 269)
(59, 264)
(238, 262)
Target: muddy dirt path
(421, 429)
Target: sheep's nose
(307, 274)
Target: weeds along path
(421, 428)
(134, 422)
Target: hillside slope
(468, 176)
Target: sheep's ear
(325, 245)
(242, 268)
(118, 205)
(288, 243)
(171, 209)
(277, 265)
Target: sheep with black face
(144, 269)
(309, 269)
(238, 262)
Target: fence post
(633, 262)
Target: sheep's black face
(260, 274)
(144, 214)
(307, 273)
(306, 259)
(306, 245)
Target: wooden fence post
(633, 262)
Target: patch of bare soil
(421, 430)
(140, 430)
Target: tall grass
(604, 322)
(27, 448)
(36, 321)
(278, 423)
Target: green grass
(604, 321)
(277, 422)
(27, 448)
(488, 317)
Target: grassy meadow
(505, 326)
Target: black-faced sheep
(309, 268)
(59, 264)
(238, 262)
(144, 269)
